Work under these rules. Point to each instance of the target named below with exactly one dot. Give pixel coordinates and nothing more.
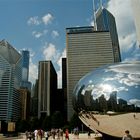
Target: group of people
(54, 133)
(58, 133)
(36, 135)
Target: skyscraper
(105, 21)
(64, 85)
(86, 50)
(25, 70)
(25, 65)
(10, 78)
(136, 9)
(47, 88)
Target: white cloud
(55, 33)
(34, 21)
(50, 52)
(122, 12)
(59, 72)
(33, 69)
(39, 34)
(47, 19)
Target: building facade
(25, 70)
(64, 86)
(47, 89)
(34, 99)
(10, 78)
(105, 21)
(86, 50)
(25, 103)
(25, 65)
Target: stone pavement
(82, 136)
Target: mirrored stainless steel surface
(111, 90)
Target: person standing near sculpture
(127, 136)
(67, 134)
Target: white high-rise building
(136, 11)
(86, 50)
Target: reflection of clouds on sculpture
(88, 88)
(121, 89)
(127, 74)
(102, 89)
(106, 88)
(135, 78)
(83, 92)
(132, 68)
(135, 102)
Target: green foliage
(34, 123)
(75, 121)
(46, 124)
(22, 126)
(57, 120)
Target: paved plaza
(72, 137)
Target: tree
(75, 121)
(46, 124)
(34, 123)
(22, 126)
(57, 120)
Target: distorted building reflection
(109, 90)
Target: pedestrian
(35, 134)
(127, 136)
(89, 134)
(67, 134)
(26, 134)
(46, 135)
(40, 134)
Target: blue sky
(39, 26)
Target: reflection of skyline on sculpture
(110, 88)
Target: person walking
(89, 136)
(46, 135)
(67, 134)
(127, 136)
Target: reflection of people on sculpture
(127, 136)
(89, 136)
(134, 115)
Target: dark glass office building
(10, 78)
(105, 21)
(47, 89)
(25, 70)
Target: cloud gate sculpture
(108, 99)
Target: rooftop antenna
(94, 16)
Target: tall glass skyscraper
(105, 21)
(25, 70)
(10, 78)
(25, 65)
